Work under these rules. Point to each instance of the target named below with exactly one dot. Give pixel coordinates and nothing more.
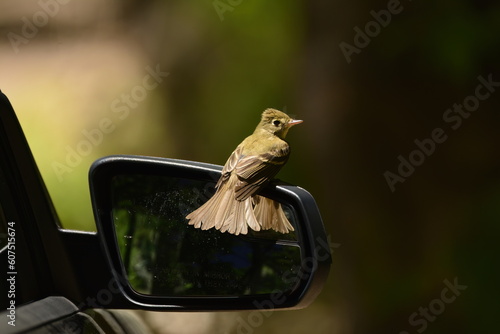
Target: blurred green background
(74, 71)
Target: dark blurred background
(370, 79)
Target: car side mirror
(162, 263)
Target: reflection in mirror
(164, 256)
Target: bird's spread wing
(254, 171)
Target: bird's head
(276, 122)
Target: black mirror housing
(161, 263)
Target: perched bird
(236, 203)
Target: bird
(236, 204)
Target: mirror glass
(164, 256)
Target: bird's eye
(276, 122)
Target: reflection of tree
(165, 256)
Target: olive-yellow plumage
(236, 203)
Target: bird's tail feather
(270, 214)
(225, 213)
(241, 216)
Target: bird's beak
(294, 122)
